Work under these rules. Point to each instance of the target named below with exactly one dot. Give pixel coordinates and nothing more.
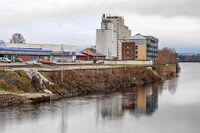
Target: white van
(5, 60)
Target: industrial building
(89, 54)
(108, 37)
(146, 47)
(28, 51)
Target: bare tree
(2, 43)
(17, 38)
(167, 56)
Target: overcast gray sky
(175, 22)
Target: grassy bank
(15, 81)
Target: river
(169, 107)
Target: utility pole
(62, 75)
(125, 64)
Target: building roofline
(41, 44)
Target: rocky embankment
(34, 87)
(82, 82)
(12, 99)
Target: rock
(11, 99)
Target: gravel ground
(11, 99)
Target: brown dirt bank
(81, 82)
(75, 83)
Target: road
(59, 68)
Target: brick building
(146, 47)
(128, 50)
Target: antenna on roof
(104, 15)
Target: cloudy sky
(175, 22)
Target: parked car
(18, 60)
(48, 62)
(39, 60)
(5, 60)
(33, 62)
(62, 60)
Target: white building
(14, 50)
(55, 48)
(106, 40)
(108, 37)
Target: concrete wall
(130, 62)
(106, 42)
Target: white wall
(106, 42)
(53, 47)
(122, 31)
(131, 62)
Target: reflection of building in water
(110, 108)
(152, 102)
(144, 101)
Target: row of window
(69, 53)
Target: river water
(169, 107)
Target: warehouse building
(89, 54)
(30, 51)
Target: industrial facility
(115, 42)
(109, 36)
(28, 51)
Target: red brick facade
(128, 50)
(29, 57)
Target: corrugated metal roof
(79, 54)
(23, 50)
(138, 37)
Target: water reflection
(63, 120)
(56, 116)
(138, 101)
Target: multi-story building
(106, 40)
(108, 37)
(146, 47)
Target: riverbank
(22, 88)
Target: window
(73, 53)
(66, 53)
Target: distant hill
(189, 57)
